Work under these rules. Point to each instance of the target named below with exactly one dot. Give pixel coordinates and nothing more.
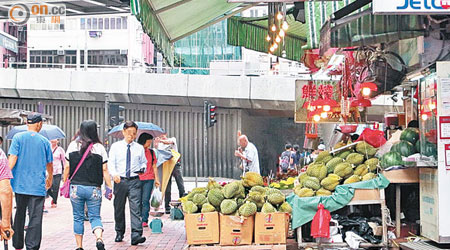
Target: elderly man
(248, 153)
(30, 158)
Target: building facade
(107, 40)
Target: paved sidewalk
(58, 232)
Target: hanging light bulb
(326, 108)
(274, 28)
(268, 38)
(432, 105)
(277, 39)
(283, 53)
(424, 117)
(279, 16)
(272, 49)
(316, 118)
(275, 45)
(366, 91)
(285, 25)
(282, 33)
(324, 115)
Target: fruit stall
(240, 213)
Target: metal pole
(106, 125)
(205, 136)
(195, 161)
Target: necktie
(128, 169)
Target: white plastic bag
(155, 200)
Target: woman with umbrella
(149, 178)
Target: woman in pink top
(59, 161)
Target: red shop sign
(444, 127)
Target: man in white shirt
(126, 161)
(165, 143)
(248, 153)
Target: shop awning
(251, 33)
(167, 21)
(358, 28)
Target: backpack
(285, 161)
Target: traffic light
(114, 114)
(210, 111)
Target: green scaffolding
(199, 49)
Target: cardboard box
(271, 228)
(202, 228)
(407, 175)
(235, 230)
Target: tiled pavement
(58, 233)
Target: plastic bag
(320, 226)
(155, 200)
(374, 137)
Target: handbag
(65, 189)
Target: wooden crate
(249, 247)
(406, 175)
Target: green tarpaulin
(251, 33)
(304, 208)
(167, 21)
(365, 29)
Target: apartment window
(94, 23)
(100, 23)
(124, 23)
(89, 26)
(106, 57)
(83, 23)
(119, 23)
(113, 23)
(106, 23)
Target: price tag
(447, 156)
(444, 127)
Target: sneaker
(53, 205)
(144, 224)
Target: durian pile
(345, 167)
(241, 198)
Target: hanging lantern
(367, 88)
(275, 45)
(285, 26)
(268, 38)
(361, 102)
(272, 49)
(282, 33)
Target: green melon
(404, 148)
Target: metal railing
(139, 68)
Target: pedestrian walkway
(58, 229)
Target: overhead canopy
(251, 33)
(167, 21)
(16, 116)
(359, 27)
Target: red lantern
(361, 102)
(367, 88)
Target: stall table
(399, 177)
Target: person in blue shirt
(30, 158)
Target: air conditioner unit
(60, 52)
